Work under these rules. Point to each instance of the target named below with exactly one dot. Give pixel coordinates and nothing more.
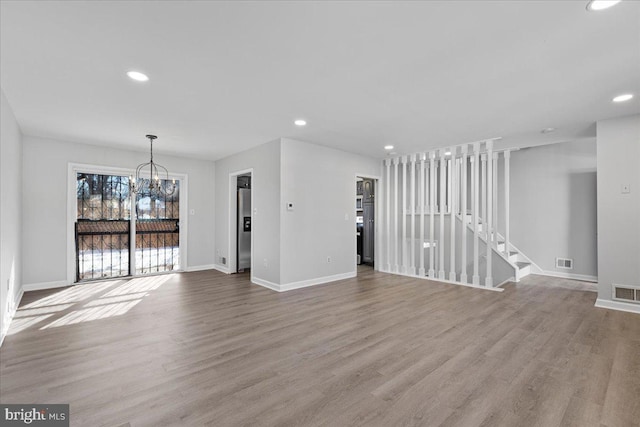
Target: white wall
(44, 202)
(10, 214)
(553, 205)
(320, 182)
(618, 213)
(265, 185)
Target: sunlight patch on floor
(115, 302)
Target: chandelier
(158, 180)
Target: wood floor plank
(205, 348)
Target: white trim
(582, 277)
(9, 315)
(317, 281)
(265, 283)
(50, 285)
(303, 283)
(617, 305)
(201, 268)
(72, 170)
(221, 268)
(510, 279)
(468, 285)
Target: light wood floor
(378, 350)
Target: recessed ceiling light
(547, 130)
(622, 98)
(388, 147)
(601, 4)
(300, 122)
(137, 76)
(447, 153)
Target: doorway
(365, 222)
(241, 221)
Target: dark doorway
(365, 224)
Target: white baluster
(442, 207)
(507, 173)
(387, 218)
(488, 281)
(494, 235)
(432, 207)
(453, 185)
(404, 215)
(463, 212)
(421, 201)
(476, 210)
(412, 239)
(396, 233)
(483, 191)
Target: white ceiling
(229, 76)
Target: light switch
(626, 188)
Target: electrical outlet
(328, 259)
(266, 264)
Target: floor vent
(626, 293)
(565, 263)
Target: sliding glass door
(111, 241)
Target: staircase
(424, 192)
(522, 265)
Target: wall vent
(625, 293)
(224, 260)
(565, 263)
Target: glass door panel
(102, 227)
(157, 243)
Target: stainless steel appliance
(244, 229)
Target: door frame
(376, 209)
(233, 214)
(72, 171)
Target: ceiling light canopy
(601, 4)
(547, 130)
(388, 147)
(623, 98)
(137, 76)
(300, 122)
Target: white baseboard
(510, 279)
(303, 283)
(317, 281)
(618, 305)
(267, 284)
(201, 267)
(562, 274)
(496, 288)
(222, 268)
(10, 315)
(45, 285)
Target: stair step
(522, 265)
